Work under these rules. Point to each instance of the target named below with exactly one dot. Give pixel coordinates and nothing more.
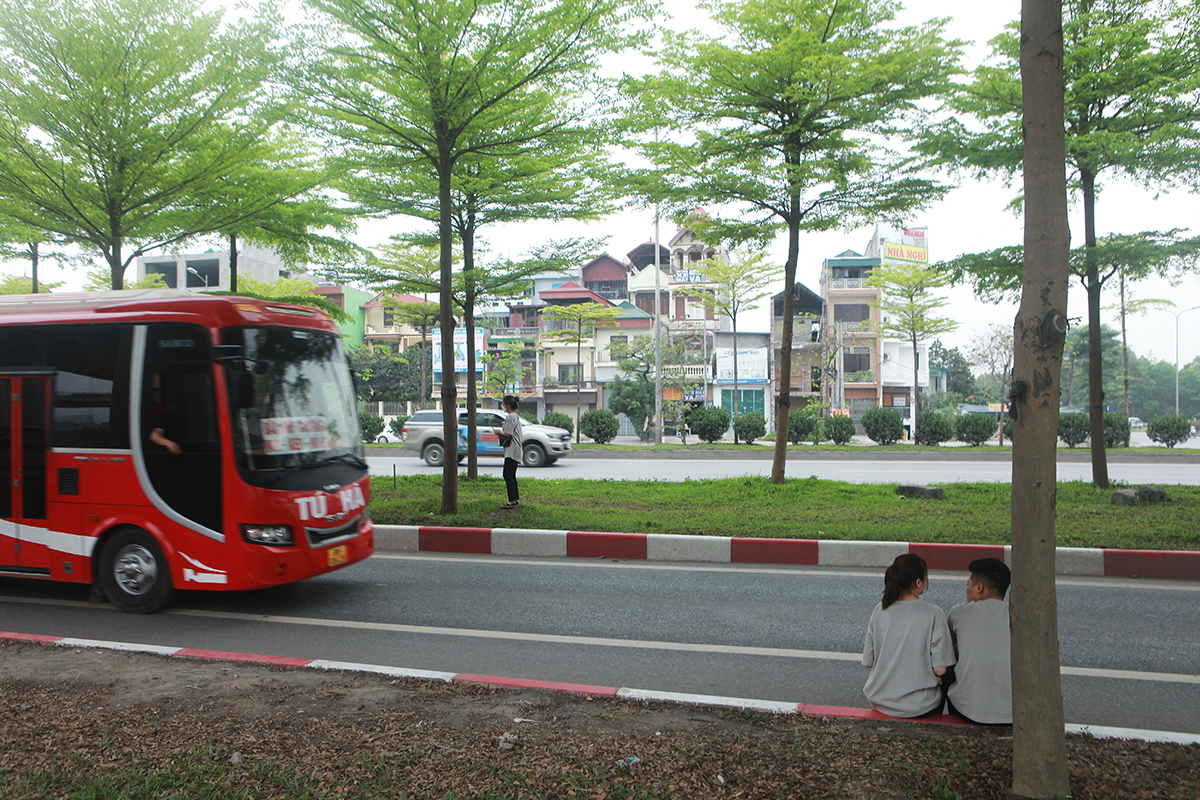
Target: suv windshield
(301, 410)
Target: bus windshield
(302, 410)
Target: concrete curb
(1080, 561)
(768, 706)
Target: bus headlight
(276, 535)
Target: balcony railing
(862, 376)
(691, 371)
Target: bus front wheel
(134, 572)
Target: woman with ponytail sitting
(908, 645)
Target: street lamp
(1178, 314)
(198, 275)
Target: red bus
(157, 440)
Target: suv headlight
(275, 535)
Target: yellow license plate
(336, 556)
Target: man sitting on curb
(981, 692)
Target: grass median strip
(805, 508)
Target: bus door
(24, 440)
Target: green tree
(992, 350)
(788, 113)
(958, 370)
(739, 283)
(1131, 69)
(386, 376)
(908, 309)
(122, 117)
(578, 323)
(414, 88)
(100, 280)
(505, 372)
(19, 284)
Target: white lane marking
(1130, 675)
(1106, 732)
(548, 638)
(640, 644)
(761, 569)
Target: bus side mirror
(241, 386)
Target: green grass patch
(800, 508)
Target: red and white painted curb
(1086, 561)
(767, 706)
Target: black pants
(510, 479)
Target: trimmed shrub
(1008, 427)
(1116, 429)
(371, 425)
(883, 425)
(750, 427)
(709, 423)
(800, 427)
(600, 425)
(841, 429)
(528, 416)
(557, 419)
(1074, 429)
(975, 429)
(933, 428)
(1169, 429)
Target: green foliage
(600, 425)
(975, 429)
(557, 419)
(841, 429)
(1169, 429)
(634, 399)
(959, 379)
(972, 513)
(131, 124)
(397, 425)
(801, 426)
(528, 416)
(1074, 429)
(933, 428)
(883, 425)
(371, 425)
(750, 426)
(383, 375)
(1116, 429)
(709, 423)
(1009, 422)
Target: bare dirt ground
(108, 724)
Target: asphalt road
(1130, 648)
(859, 469)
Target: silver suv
(544, 445)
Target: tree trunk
(1095, 356)
(1124, 347)
(115, 267)
(446, 296)
(233, 264)
(735, 380)
(1039, 743)
(916, 398)
(468, 244)
(578, 377)
(33, 264)
(783, 401)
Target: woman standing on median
(908, 645)
(510, 439)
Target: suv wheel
(534, 456)
(434, 454)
